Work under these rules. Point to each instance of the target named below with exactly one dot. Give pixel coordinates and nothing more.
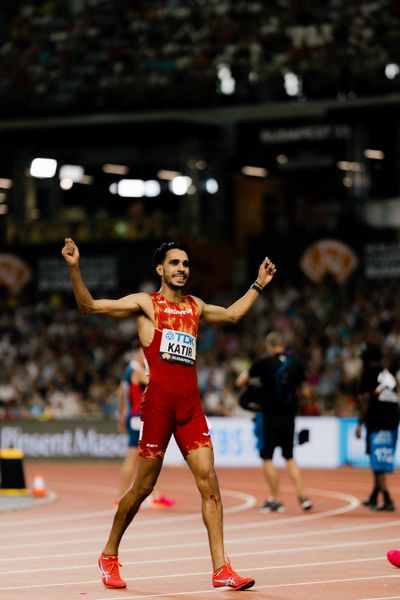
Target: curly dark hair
(160, 252)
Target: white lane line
(132, 533)
(229, 528)
(352, 504)
(247, 501)
(382, 598)
(24, 503)
(64, 518)
(255, 589)
(274, 552)
(196, 574)
(205, 557)
(229, 541)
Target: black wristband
(256, 286)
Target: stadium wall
(325, 442)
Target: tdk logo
(180, 338)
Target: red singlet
(171, 402)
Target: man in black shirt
(379, 412)
(280, 374)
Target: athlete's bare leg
(296, 476)
(146, 476)
(201, 463)
(128, 470)
(272, 478)
(381, 481)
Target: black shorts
(278, 433)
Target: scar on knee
(214, 499)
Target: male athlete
(167, 323)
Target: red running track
(336, 551)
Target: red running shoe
(225, 576)
(393, 557)
(110, 576)
(163, 502)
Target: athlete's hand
(70, 252)
(358, 431)
(266, 272)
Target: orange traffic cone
(38, 486)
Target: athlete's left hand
(266, 272)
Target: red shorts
(164, 413)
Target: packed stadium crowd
(96, 55)
(58, 364)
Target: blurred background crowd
(97, 55)
(243, 128)
(58, 364)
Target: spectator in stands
(68, 57)
(40, 347)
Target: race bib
(178, 347)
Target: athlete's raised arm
(86, 303)
(217, 314)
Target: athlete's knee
(144, 483)
(207, 482)
(141, 489)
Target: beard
(174, 286)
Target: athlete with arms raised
(167, 323)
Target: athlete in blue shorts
(129, 394)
